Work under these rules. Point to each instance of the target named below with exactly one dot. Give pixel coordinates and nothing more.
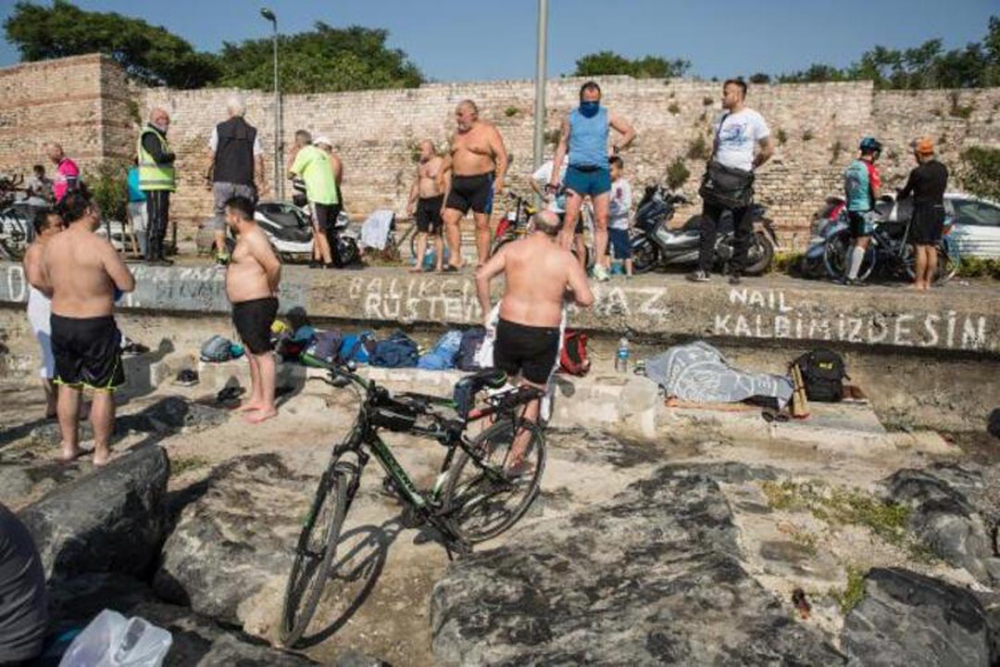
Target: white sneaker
(600, 274)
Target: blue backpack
(358, 347)
(397, 351)
(442, 357)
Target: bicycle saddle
(467, 388)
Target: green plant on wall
(836, 151)
(510, 112)
(109, 189)
(674, 108)
(980, 171)
(782, 137)
(698, 149)
(677, 174)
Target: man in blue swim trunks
(584, 138)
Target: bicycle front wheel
(315, 551)
(485, 494)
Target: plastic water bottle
(621, 359)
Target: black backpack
(823, 375)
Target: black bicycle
(480, 492)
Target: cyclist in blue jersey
(861, 186)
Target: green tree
(148, 53)
(326, 59)
(604, 63)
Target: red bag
(573, 357)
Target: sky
(466, 40)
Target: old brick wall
(89, 106)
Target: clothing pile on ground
(699, 373)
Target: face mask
(589, 109)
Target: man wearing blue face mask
(584, 138)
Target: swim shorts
(530, 352)
(428, 215)
(475, 192)
(253, 320)
(588, 180)
(88, 352)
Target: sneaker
(600, 274)
(315, 264)
(698, 277)
(735, 279)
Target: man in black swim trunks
(539, 276)
(427, 202)
(252, 287)
(84, 274)
(478, 163)
(926, 184)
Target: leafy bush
(510, 112)
(957, 110)
(674, 108)
(782, 137)
(807, 135)
(108, 186)
(977, 267)
(980, 171)
(677, 174)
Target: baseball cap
(322, 140)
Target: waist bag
(726, 187)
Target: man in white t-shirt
(743, 142)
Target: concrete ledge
(957, 317)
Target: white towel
(375, 230)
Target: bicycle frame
(452, 438)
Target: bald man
(539, 277)
(478, 163)
(427, 203)
(67, 177)
(157, 180)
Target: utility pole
(540, 73)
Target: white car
(976, 225)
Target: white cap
(322, 140)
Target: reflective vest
(154, 175)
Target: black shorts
(253, 320)
(429, 215)
(530, 352)
(475, 192)
(325, 215)
(860, 224)
(88, 352)
(927, 224)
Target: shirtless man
(84, 274)
(478, 163)
(537, 274)
(47, 224)
(252, 287)
(427, 202)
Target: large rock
(232, 547)
(111, 520)
(911, 620)
(953, 513)
(651, 577)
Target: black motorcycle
(654, 245)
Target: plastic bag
(111, 640)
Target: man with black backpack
(728, 180)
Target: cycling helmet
(870, 145)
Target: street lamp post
(540, 73)
(279, 180)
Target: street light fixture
(279, 180)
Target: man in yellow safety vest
(157, 180)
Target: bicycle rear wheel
(315, 550)
(481, 497)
